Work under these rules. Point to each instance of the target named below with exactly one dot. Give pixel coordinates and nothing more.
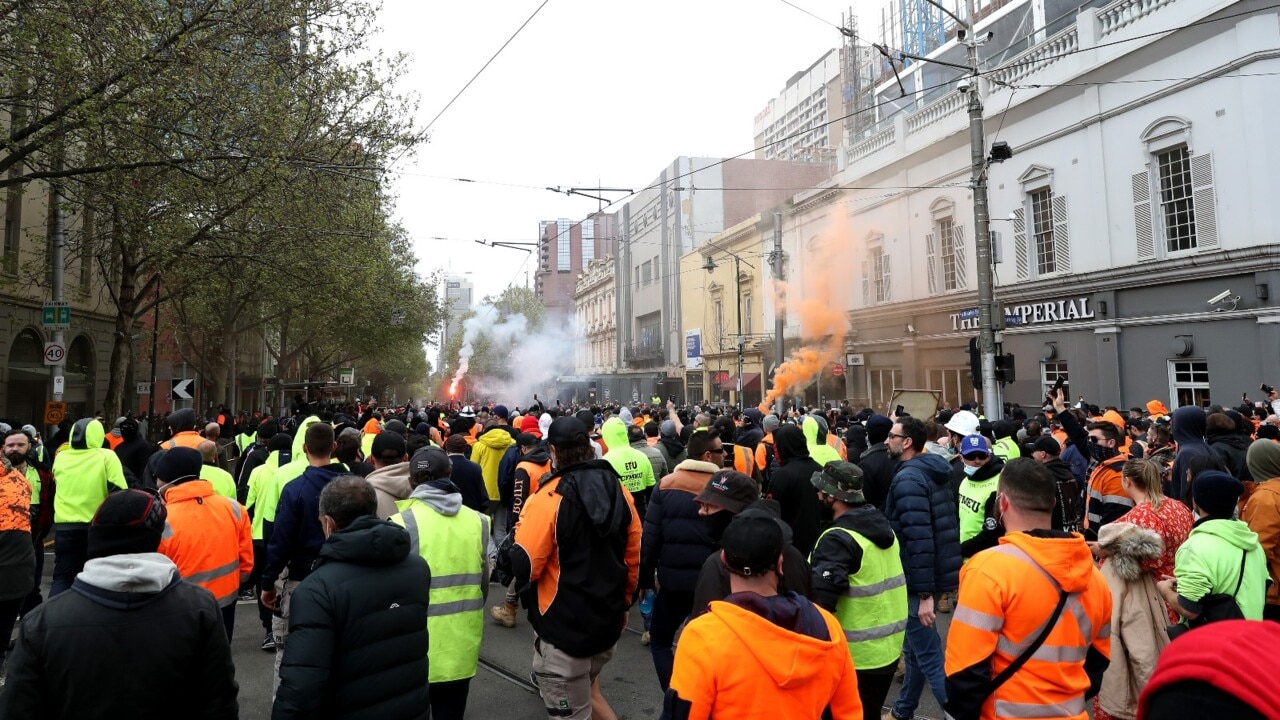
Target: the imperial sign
(1036, 313)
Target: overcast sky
(589, 93)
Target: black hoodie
(713, 579)
(791, 486)
(838, 555)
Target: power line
(819, 18)
(486, 65)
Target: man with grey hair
(358, 623)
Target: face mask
(970, 470)
(716, 523)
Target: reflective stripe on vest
(453, 546)
(873, 610)
(1046, 652)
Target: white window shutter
(1143, 234)
(957, 243)
(1203, 201)
(888, 277)
(1020, 243)
(1061, 239)
(931, 254)
(866, 282)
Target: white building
(459, 299)
(796, 125)
(1142, 186)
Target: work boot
(269, 644)
(505, 614)
(644, 638)
(901, 674)
(946, 602)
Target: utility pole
(737, 280)
(155, 343)
(992, 405)
(59, 241)
(779, 316)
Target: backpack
(1215, 606)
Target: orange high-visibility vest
(209, 538)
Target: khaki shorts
(565, 681)
(280, 622)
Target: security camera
(1219, 297)
(964, 84)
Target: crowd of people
(785, 565)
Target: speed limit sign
(54, 353)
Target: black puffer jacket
(1231, 449)
(922, 510)
(131, 639)
(358, 630)
(675, 540)
(791, 486)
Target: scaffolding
(856, 79)
(923, 27)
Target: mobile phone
(899, 410)
(1057, 385)
(1266, 388)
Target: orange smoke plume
(818, 299)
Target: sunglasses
(976, 456)
(718, 451)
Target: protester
(1066, 512)
(534, 465)
(979, 526)
(17, 452)
(858, 576)
(675, 545)
(1037, 583)
(1201, 675)
(358, 635)
(17, 554)
(208, 537)
(84, 473)
(792, 489)
(134, 450)
(577, 548)
(467, 475)
(454, 541)
(390, 476)
(727, 495)
(1106, 500)
(877, 466)
(1139, 618)
(633, 467)
(1189, 424)
(133, 640)
(759, 653)
(922, 511)
(261, 480)
(1221, 556)
(221, 480)
(1262, 514)
(815, 435)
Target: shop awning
(750, 381)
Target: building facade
(596, 326)
(692, 200)
(459, 299)
(1133, 229)
(565, 249)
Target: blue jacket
(296, 536)
(922, 511)
(675, 540)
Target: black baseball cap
(430, 463)
(730, 490)
(567, 432)
(752, 543)
(389, 446)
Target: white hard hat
(963, 423)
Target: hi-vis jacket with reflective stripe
(1107, 500)
(209, 538)
(1007, 594)
(873, 608)
(454, 541)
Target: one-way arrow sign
(182, 389)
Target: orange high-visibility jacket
(209, 538)
(733, 663)
(186, 438)
(1007, 594)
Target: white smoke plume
(536, 357)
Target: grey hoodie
(140, 573)
(391, 484)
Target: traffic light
(975, 363)
(1004, 368)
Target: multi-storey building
(692, 200)
(596, 330)
(565, 249)
(459, 299)
(1133, 227)
(802, 123)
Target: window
(1042, 231)
(588, 242)
(1049, 372)
(1189, 382)
(563, 245)
(1177, 211)
(955, 385)
(947, 252)
(746, 314)
(719, 308)
(646, 272)
(880, 273)
(880, 387)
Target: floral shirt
(1173, 523)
